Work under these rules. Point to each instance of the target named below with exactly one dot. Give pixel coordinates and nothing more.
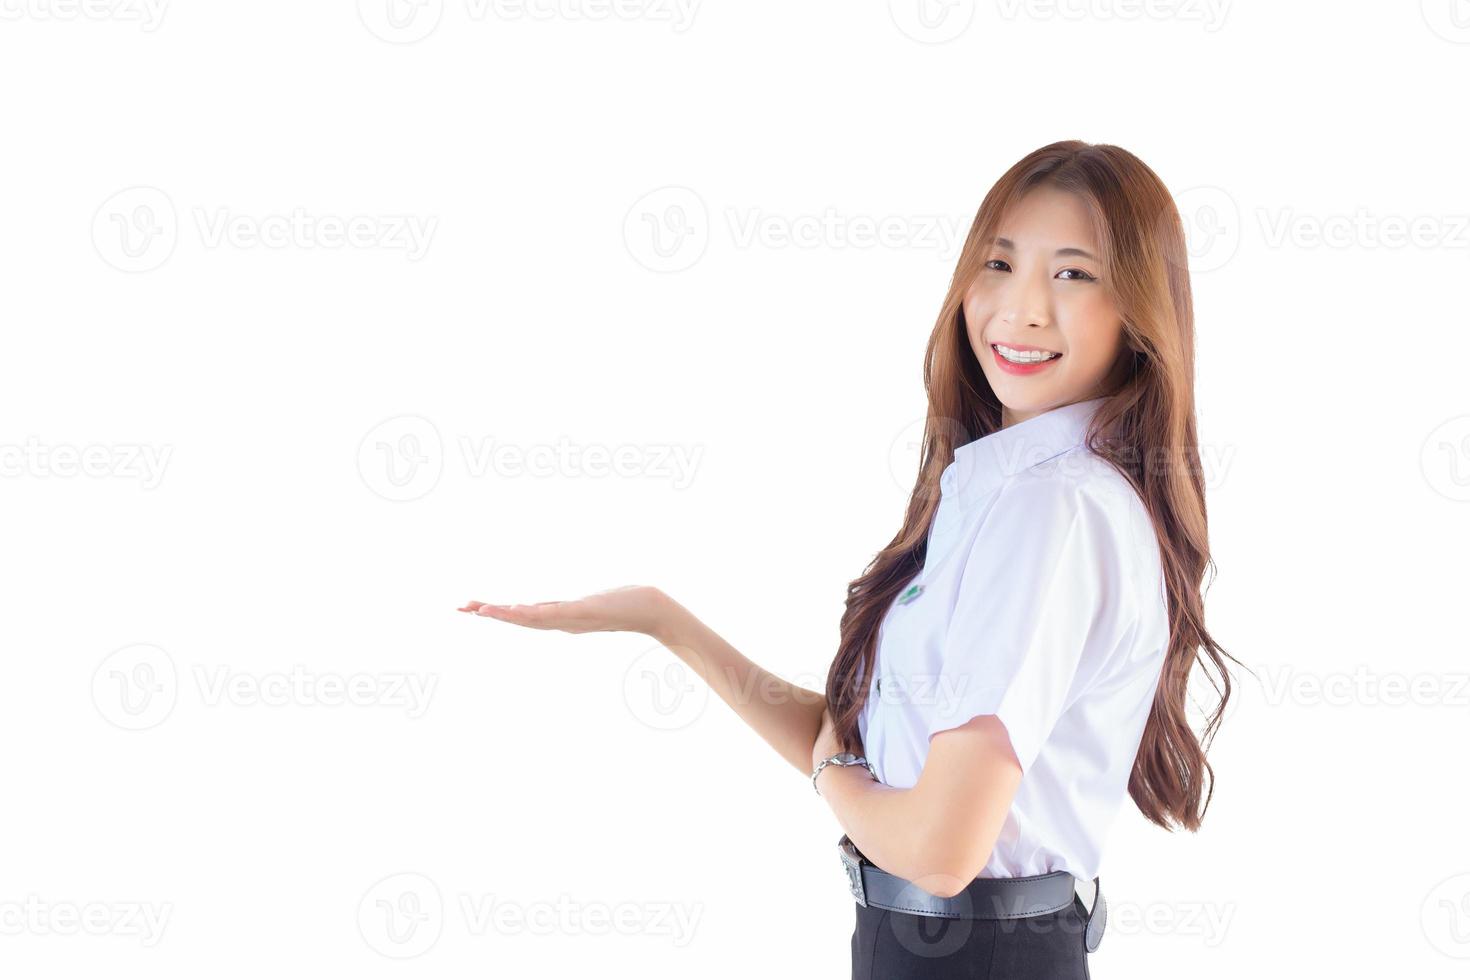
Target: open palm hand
(628, 608)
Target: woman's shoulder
(1079, 484)
(1072, 479)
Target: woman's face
(1040, 289)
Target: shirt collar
(982, 464)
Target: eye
(1080, 277)
(994, 262)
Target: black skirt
(889, 945)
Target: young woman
(1016, 659)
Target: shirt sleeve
(1037, 612)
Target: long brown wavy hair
(1146, 429)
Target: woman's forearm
(787, 716)
(885, 822)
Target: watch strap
(836, 760)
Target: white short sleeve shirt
(1042, 602)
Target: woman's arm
(938, 834)
(788, 717)
(785, 715)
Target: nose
(1027, 300)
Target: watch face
(846, 758)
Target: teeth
(1024, 356)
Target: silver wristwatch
(842, 759)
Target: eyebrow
(1006, 243)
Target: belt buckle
(852, 862)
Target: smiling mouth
(1018, 356)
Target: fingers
(535, 614)
(485, 608)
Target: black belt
(983, 898)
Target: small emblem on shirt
(910, 595)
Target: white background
(322, 419)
